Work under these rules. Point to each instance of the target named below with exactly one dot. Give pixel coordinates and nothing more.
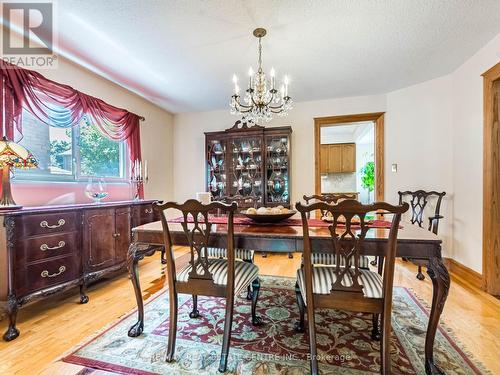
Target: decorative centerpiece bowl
(269, 217)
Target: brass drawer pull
(47, 274)
(45, 224)
(116, 235)
(148, 211)
(45, 247)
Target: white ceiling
(359, 132)
(181, 54)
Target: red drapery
(60, 105)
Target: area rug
(344, 344)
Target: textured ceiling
(181, 54)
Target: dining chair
(203, 275)
(327, 259)
(349, 287)
(421, 202)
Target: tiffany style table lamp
(12, 155)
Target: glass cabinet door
(246, 167)
(216, 168)
(277, 170)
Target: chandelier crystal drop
(261, 99)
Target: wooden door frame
(491, 188)
(378, 119)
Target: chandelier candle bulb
(250, 75)
(272, 74)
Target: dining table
(414, 243)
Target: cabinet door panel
(123, 230)
(349, 158)
(99, 239)
(335, 158)
(324, 158)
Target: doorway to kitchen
(349, 154)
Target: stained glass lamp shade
(12, 155)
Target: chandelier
(261, 99)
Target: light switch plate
(394, 167)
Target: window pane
(99, 156)
(51, 146)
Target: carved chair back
(332, 198)
(197, 229)
(348, 231)
(422, 202)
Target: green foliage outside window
(99, 155)
(57, 148)
(368, 176)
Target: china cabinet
(249, 164)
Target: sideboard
(47, 250)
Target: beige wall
(467, 140)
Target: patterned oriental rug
(344, 342)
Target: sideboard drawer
(52, 272)
(44, 247)
(142, 214)
(49, 223)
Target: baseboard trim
(465, 273)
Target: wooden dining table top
(407, 231)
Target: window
(71, 154)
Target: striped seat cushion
(244, 273)
(221, 253)
(324, 277)
(329, 259)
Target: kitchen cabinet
(338, 158)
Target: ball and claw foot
(373, 262)
(84, 299)
(136, 329)
(194, 314)
(257, 321)
(11, 334)
(290, 255)
(299, 328)
(420, 276)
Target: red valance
(59, 105)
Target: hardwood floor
(51, 327)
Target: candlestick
(139, 177)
